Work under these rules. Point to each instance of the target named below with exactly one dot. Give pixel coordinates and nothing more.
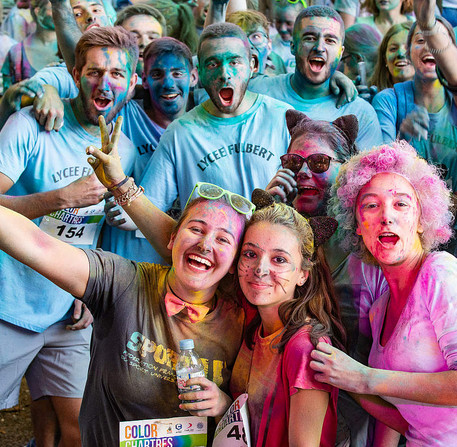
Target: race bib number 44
(77, 226)
(190, 431)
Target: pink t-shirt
(274, 378)
(424, 340)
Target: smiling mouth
(94, 25)
(402, 64)
(316, 64)
(429, 60)
(199, 263)
(102, 103)
(170, 96)
(226, 95)
(388, 240)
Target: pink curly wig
(398, 158)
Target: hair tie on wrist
(118, 185)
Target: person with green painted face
(45, 177)
(234, 139)
(318, 46)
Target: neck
(78, 110)
(270, 319)
(162, 120)
(401, 278)
(306, 90)
(429, 93)
(391, 17)
(203, 297)
(247, 102)
(46, 36)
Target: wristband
(118, 185)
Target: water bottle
(188, 366)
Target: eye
(196, 230)
(248, 254)
(77, 14)
(178, 74)
(223, 240)
(279, 260)
(118, 74)
(309, 38)
(369, 205)
(330, 40)
(402, 203)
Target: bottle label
(183, 378)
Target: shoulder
(385, 96)
(440, 267)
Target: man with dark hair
(317, 46)
(146, 22)
(47, 179)
(234, 139)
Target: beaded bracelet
(132, 193)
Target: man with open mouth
(46, 178)
(317, 45)
(234, 139)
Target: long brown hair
(315, 302)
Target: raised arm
(63, 264)
(155, 225)
(219, 9)
(438, 39)
(67, 30)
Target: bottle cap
(188, 343)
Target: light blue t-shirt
(282, 49)
(144, 134)
(239, 153)
(323, 108)
(393, 104)
(40, 161)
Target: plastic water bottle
(188, 366)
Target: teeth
(174, 95)
(201, 260)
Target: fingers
(97, 153)
(84, 318)
(77, 310)
(103, 131)
(116, 132)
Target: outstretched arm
(64, 265)
(155, 225)
(219, 9)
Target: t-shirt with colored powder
(135, 346)
(40, 161)
(273, 378)
(239, 153)
(424, 340)
(323, 108)
(394, 104)
(282, 49)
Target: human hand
(343, 87)
(106, 161)
(81, 316)
(48, 109)
(212, 401)
(83, 192)
(365, 92)
(283, 184)
(116, 216)
(338, 369)
(424, 11)
(28, 87)
(415, 125)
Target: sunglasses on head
(317, 163)
(213, 192)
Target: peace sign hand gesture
(106, 161)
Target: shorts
(54, 362)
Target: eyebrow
(276, 250)
(397, 194)
(206, 224)
(316, 32)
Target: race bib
(190, 431)
(233, 428)
(76, 226)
